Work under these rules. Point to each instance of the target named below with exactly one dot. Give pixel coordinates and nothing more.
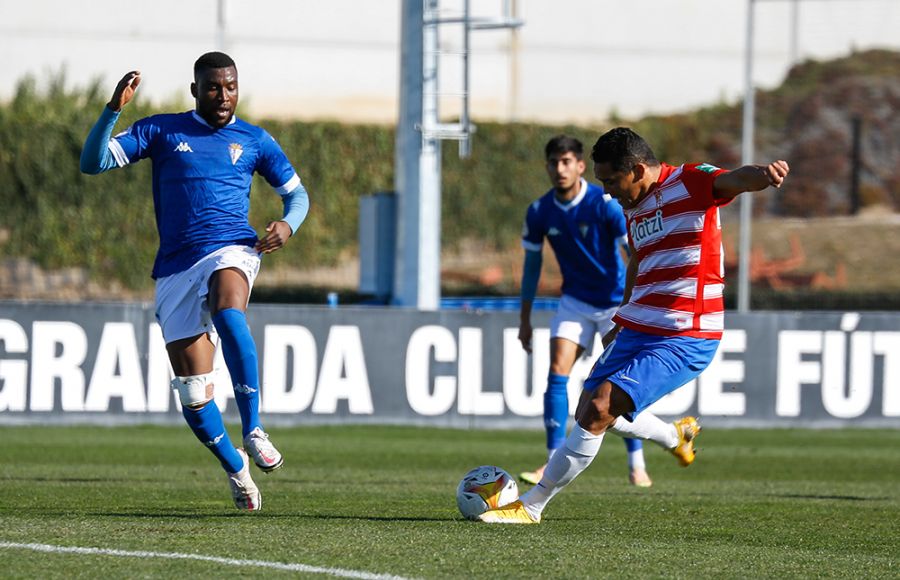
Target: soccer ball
(483, 488)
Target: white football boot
(264, 454)
(244, 492)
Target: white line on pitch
(227, 561)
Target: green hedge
(57, 217)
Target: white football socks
(647, 426)
(569, 460)
(636, 459)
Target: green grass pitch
(374, 500)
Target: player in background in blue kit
(209, 255)
(586, 230)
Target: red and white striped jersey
(676, 237)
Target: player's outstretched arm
(750, 178)
(125, 90)
(95, 155)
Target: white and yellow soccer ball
(484, 488)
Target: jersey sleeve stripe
(118, 153)
(290, 185)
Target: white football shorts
(181, 305)
(579, 321)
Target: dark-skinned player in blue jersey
(209, 255)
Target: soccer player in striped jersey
(586, 229)
(668, 329)
(209, 255)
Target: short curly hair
(213, 60)
(622, 149)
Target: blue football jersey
(585, 236)
(201, 181)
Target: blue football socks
(556, 410)
(206, 423)
(241, 360)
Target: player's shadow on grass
(659, 494)
(74, 479)
(830, 497)
(189, 514)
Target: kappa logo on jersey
(183, 147)
(648, 228)
(235, 150)
(553, 232)
(707, 168)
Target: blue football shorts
(648, 367)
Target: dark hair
(564, 144)
(622, 149)
(213, 60)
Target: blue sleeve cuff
(95, 156)
(296, 206)
(531, 273)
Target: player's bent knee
(620, 402)
(595, 414)
(194, 391)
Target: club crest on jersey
(235, 150)
(649, 228)
(583, 229)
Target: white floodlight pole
(418, 165)
(221, 25)
(746, 158)
(417, 272)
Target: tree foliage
(57, 217)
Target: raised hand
(125, 90)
